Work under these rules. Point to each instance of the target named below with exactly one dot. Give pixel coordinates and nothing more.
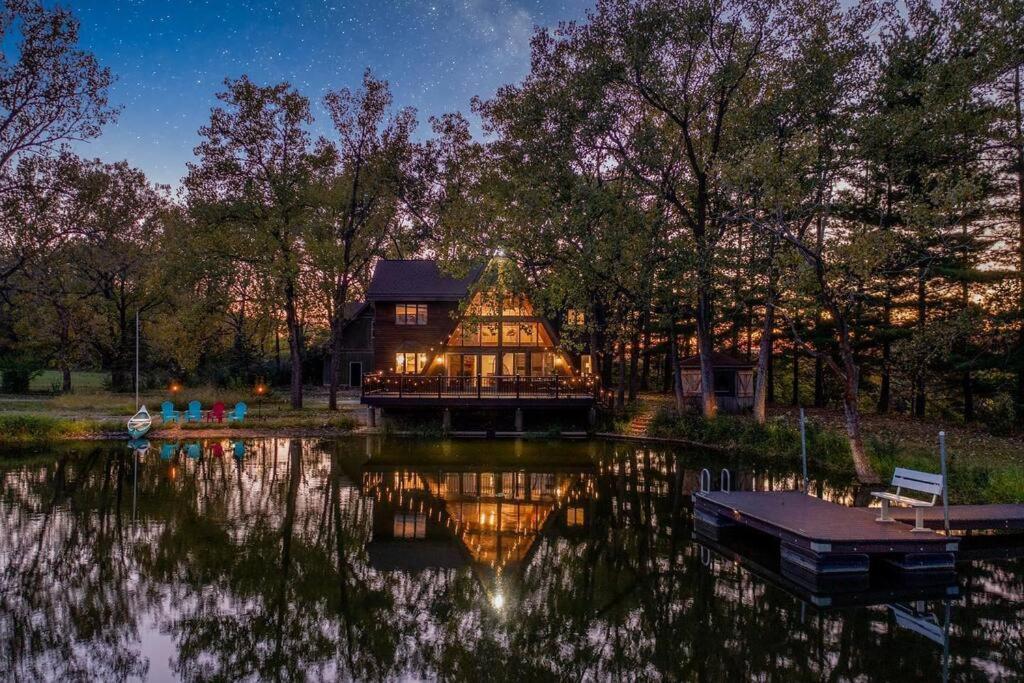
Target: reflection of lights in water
(498, 601)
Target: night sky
(171, 56)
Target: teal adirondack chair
(168, 450)
(238, 449)
(194, 412)
(168, 413)
(194, 451)
(238, 414)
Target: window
(542, 364)
(488, 335)
(410, 363)
(519, 334)
(410, 526)
(574, 516)
(575, 318)
(466, 334)
(410, 314)
(586, 364)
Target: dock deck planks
(824, 537)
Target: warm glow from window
(410, 314)
(410, 363)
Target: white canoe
(139, 423)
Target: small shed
(734, 381)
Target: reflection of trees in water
(68, 601)
(262, 570)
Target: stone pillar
(446, 420)
(592, 417)
(519, 419)
(378, 416)
(371, 416)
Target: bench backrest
(922, 482)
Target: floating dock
(823, 538)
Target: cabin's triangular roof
(417, 280)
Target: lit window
(586, 364)
(488, 335)
(574, 516)
(410, 363)
(576, 318)
(410, 314)
(410, 526)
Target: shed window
(410, 314)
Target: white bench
(919, 482)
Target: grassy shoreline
(982, 468)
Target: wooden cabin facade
(734, 382)
(443, 340)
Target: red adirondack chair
(217, 413)
(217, 450)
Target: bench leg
(884, 516)
(919, 520)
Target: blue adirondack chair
(194, 451)
(194, 412)
(238, 450)
(238, 414)
(168, 413)
(167, 451)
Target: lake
(373, 558)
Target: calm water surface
(369, 559)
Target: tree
(671, 82)
(357, 208)
(51, 93)
(251, 183)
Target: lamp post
(261, 389)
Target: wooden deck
(491, 392)
(824, 538)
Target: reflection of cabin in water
(734, 382)
(490, 519)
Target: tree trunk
(337, 328)
(770, 390)
(645, 379)
(819, 383)
(885, 389)
(1019, 148)
(796, 375)
(705, 339)
(677, 374)
(861, 464)
(65, 376)
(294, 345)
(922, 312)
(620, 392)
(634, 364)
(763, 363)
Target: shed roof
(417, 280)
(718, 360)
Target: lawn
(50, 380)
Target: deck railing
(496, 386)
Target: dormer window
(576, 317)
(410, 314)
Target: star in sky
(170, 58)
